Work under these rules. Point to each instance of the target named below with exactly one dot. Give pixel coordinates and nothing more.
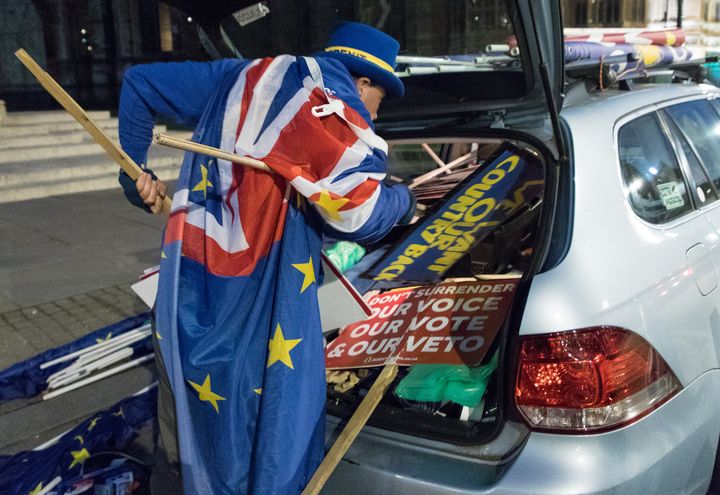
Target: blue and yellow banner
(477, 206)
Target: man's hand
(147, 193)
(152, 192)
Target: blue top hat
(368, 52)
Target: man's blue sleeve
(396, 203)
(177, 90)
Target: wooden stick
(68, 103)
(434, 156)
(184, 144)
(445, 168)
(352, 429)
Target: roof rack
(601, 73)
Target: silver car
(610, 383)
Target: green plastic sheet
(345, 254)
(441, 382)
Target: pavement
(66, 266)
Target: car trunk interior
(505, 251)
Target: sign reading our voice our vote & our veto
(449, 323)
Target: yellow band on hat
(363, 55)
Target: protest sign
(450, 323)
(478, 205)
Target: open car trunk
(503, 251)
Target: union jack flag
(237, 313)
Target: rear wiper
(460, 63)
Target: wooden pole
(434, 156)
(68, 103)
(445, 168)
(352, 429)
(184, 144)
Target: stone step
(8, 131)
(92, 166)
(28, 180)
(47, 117)
(28, 154)
(48, 152)
(58, 139)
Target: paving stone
(30, 312)
(36, 337)
(65, 303)
(13, 347)
(15, 315)
(64, 320)
(49, 308)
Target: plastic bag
(345, 254)
(439, 382)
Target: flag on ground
(27, 379)
(114, 429)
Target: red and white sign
(450, 323)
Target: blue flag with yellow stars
(29, 472)
(237, 304)
(248, 367)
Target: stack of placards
(435, 189)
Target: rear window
(466, 45)
(651, 173)
(426, 28)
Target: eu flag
(237, 309)
(110, 430)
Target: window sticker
(671, 195)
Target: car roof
(607, 107)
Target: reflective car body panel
(667, 453)
(621, 270)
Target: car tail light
(590, 379)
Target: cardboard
(450, 323)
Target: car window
(701, 126)
(651, 172)
(705, 192)
(273, 27)
(407, 161)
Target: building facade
(86, 45)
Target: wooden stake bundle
(383, 381)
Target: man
(238, 327)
